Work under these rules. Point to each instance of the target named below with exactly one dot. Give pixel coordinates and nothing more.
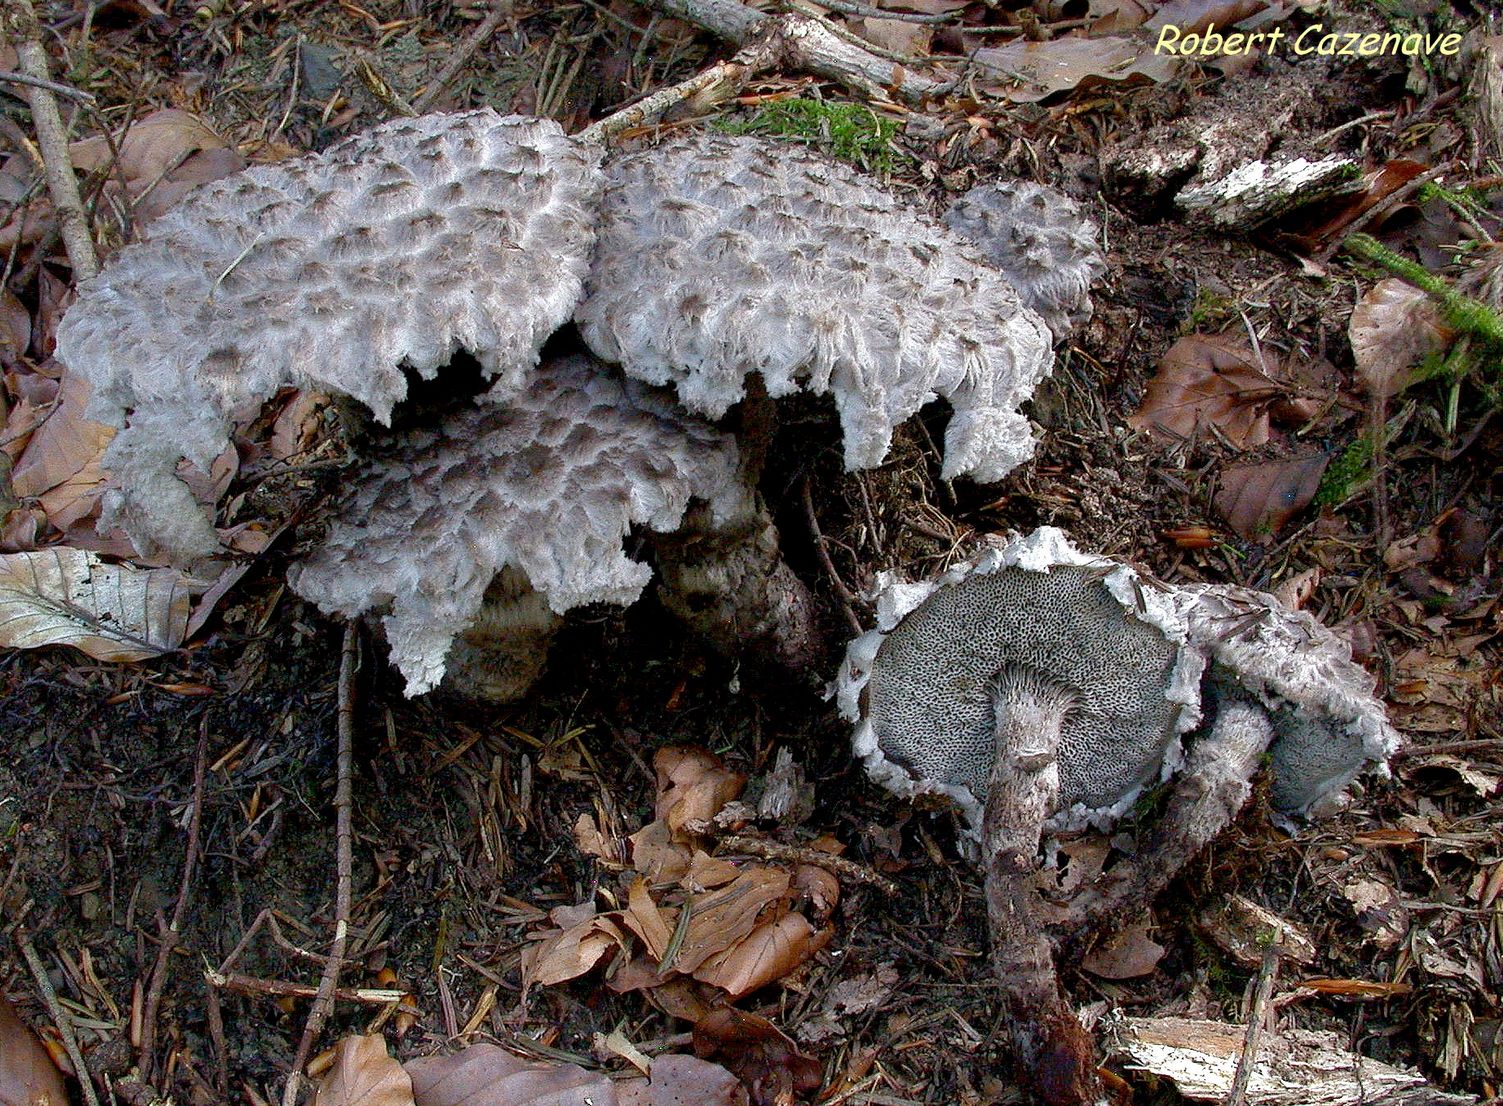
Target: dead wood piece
(1297, 1067)
(56, 1011)
(1260, 191)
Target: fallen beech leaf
(1377, 185)
(725, 917)
(1126, 954)
(693, 784)
(897, 35)
(646, 919)
(15, 327)
(1392, 329)
(683, 1081)
(759, 1053)
(364, 1074)
(571, 952)
(488, 1075)
(656, 855)
(820, 886)
(1195, 16)
(707, 872)
(64, 596)
(1042, 69)
(1114, 16)
(768, 953)
(1258, 499)
(1209, 379)
(28, 1077)
(63, 457)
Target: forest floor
(1379, 513)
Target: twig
(7, 77)
(169, 931)
(253, 985)
(801, 854)
(20, 22)
(1379, 209)
(847, 600)
(501, 10)
(56, 1012)
(865, 11)
(323, 1002)
(759, 55)
(1256, 1014)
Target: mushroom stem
(1209, 793)
(1052, 1049)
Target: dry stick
(501, 10)
(837, 865)
(323, 1002)
(1256, 1013)
(55, 1011)
(20, 22)
(847, 600)
(169, 932)
(7, 77)
(803, 43)
(281, 988)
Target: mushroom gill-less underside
(720, 257)
(334, 271)
(1041, 687)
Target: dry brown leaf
(1393, 328)
(28, 1077)
(570, 952)
(897, 35)
(1106, 17)
(656, 855)
(644, 917)
(1195, 16)
(819, 886)
(15, 327)
(683, 1081)
(61, 459)
(65, 596)
(1042, 69)
(1258, 499)
(1209, 380)
(1126, 954)
(487, 1075)
(759, 1053)
(364, 1074)
(707, 872)
(725, 917)
(769, 953)
(693, 784)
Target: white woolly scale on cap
(719, 257)
(331, 271)
(549, 483)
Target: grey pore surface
(332, 271)
(549, 483)
(1041, 239)
(931, 694)
(719, 257)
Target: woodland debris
(1261, 191)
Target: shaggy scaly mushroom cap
(719, 257)
(1041, 239)
(489, 527)
(332, 271)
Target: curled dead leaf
(487, 1075)
(769, 953)
(1036, 70)
(761, 1055)
(1393, 328)
(28, 1077)
(1209, 380)
(1257, 500)
(570, 952)
(64, 596)
(364, 1074)
(683, 1081)
(1126, 954)
(726, 917)
(693, 784)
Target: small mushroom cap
(548, 482)
(1041, 239)
(331, 272)
(920, 686)
(721, 256)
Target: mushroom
(396, 247)
(1041, 239)
(486, 529)
(1042, 688)
(722, 257)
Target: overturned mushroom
(721, 257)
(484, 530)
(1043, 688)
(1041, 240)
(333, 271)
